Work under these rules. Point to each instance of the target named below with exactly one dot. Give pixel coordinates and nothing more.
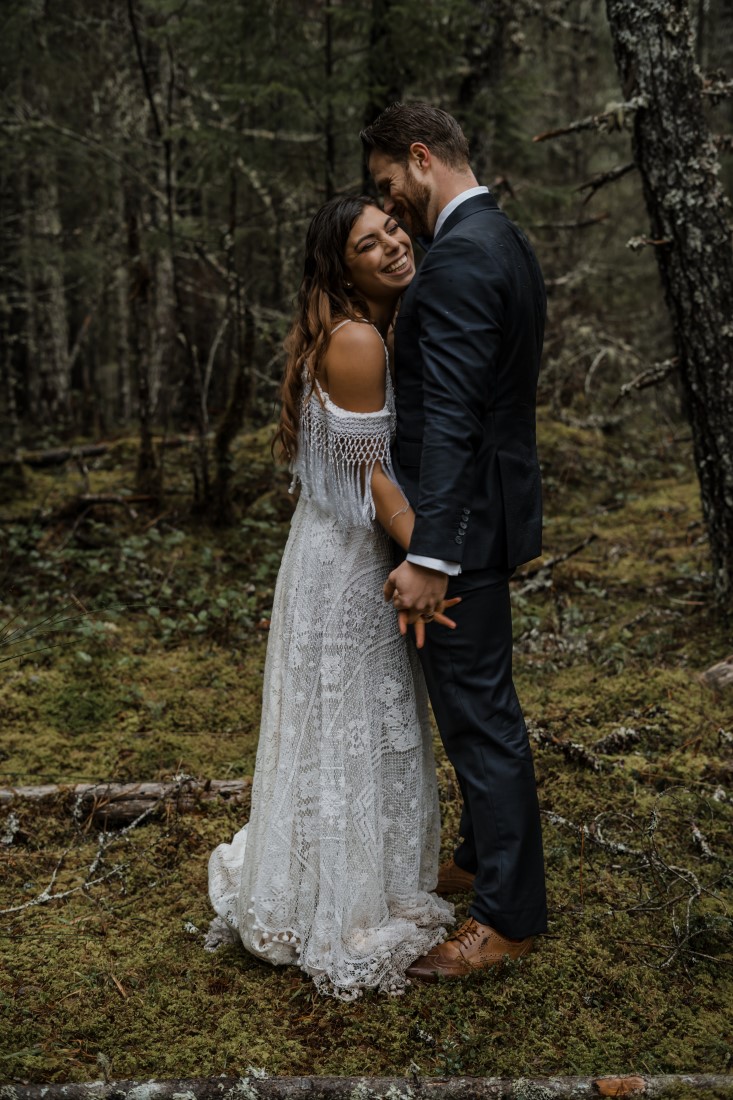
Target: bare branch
(585, 224)
(652, 376)
(38, 123)
(717, 87)
(546, 566)
(571, 750)
(637, 243)
(542, 11)
(293, 137)
(602, 178)
(614, 118)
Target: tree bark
(677, 159)
(148, 472)
(330, 124)
(242, 351)
(385, 71)
(8, 372)
(484, 64)
(47, 325)
(233, 419)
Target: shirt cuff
(452, 568)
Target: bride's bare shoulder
(354, 368)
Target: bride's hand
(403, 619)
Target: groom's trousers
(469, 677)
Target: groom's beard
(414, 208)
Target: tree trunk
(148, 473)
(679, 167)
(330, 135)
(122, 343)
(241, 390)
(483, 73)
(13, 480)
(233, 419)
(384, 71)
(47, 309)
(167, 305)
(47, 333)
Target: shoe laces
(467, 934)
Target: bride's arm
(354, 376)
(393, 512)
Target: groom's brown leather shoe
(452, 879)
(471, 947)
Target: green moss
(635, 974)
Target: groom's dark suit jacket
(467, 348)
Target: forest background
(159, 163)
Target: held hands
(404, 620)
(418, 595)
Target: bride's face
(379, 255)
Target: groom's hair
(401, 124)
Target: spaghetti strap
(351, 320)
(365, 322)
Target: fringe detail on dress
(337, 452)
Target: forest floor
(156, 670)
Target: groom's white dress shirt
(452, 568)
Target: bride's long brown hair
(323, 300)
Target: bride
(335, 869)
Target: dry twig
(652, 376)
(613, 118)
(602, 178)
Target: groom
(467, 348)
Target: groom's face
(406, 195)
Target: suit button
(458, 538)
(467, 511)
(463, 525)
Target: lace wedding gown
(334, 870)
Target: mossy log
(122, 803)
(57, 456)
(391, 1088)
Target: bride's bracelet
(400, 512)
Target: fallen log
(85, 501)
(56, 456)
(258, 1087)
(120, 803)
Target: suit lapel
(465, 210)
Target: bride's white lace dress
(334, 871)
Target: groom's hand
(415, 590)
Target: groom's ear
(420, 156)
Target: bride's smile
(379, 257)
(398, 266)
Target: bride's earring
(348, 285)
